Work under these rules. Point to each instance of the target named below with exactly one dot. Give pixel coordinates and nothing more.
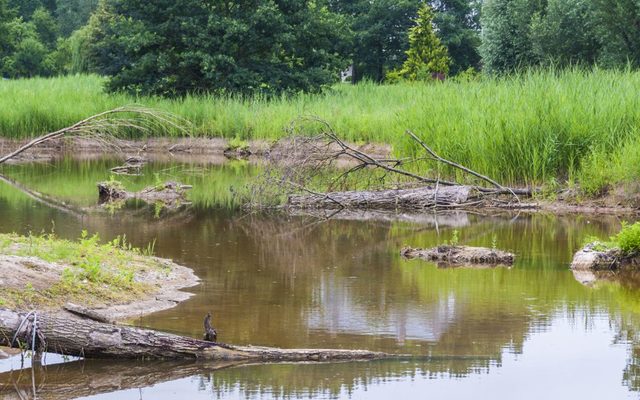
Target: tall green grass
(532, 128)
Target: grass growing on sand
(85, 271)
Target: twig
(436, 157)
(100, 128)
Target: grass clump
(93, 272)
(627, 240)
(533, 128)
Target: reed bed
(536, 127)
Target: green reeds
(532, 128)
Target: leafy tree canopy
(173, 47)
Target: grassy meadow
(540, 127)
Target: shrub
(628, 239)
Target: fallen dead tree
(461, 255)
(65, 335)
(323, 171)
(418, 198)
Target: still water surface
(529, 331)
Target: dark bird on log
(210, 333)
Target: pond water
(301, 281)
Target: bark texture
(418, 198)
(92, 339)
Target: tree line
(173, 47)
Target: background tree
(426, 54)
(619, 29)
(46, 27)
(458, 23)
(6, 16)
(566, 33)
(173, 47)
(506, 34)
(381, 41)
(26, 8)
(73, 14)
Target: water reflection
(308, 281)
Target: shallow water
(299, 281)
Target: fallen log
(461, 255)
(418, 198)
(91, 339)
(169, 193)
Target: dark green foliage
(506, 40)
(566, 33)
(26, 8)
(619, 27)
(381, 39)
(74, 14)
(30, 59)
(171, 48)
(458, 23)
(46, 27)
(6, 15)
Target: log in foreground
(461, 255)
(90, 339)
(418, 198)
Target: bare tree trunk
(419, 198)
(91, 339)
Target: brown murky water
(300, 281)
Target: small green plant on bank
(238, 144)
(92, 269)
(494, 241)
(158, 206)
(627, 240)
(454, 238)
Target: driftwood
(132, 166)
(327, 164)
(419, 198)
(91, 339)
(168, 193)
(459, 255)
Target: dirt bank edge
(166, 281)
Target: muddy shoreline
(216, 151)
(18, 272)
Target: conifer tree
(426, 55)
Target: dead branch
(105, 127)
(321, 163)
